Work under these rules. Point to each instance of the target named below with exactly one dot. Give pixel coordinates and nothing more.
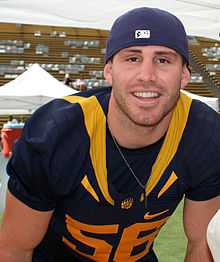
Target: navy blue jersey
(66, 161)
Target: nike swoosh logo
(149, 216)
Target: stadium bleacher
(206, 56)
(59, 50)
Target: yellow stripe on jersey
(85, 182)
(95, 122)
(168, 184)
(171, 142)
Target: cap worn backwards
(147, 26)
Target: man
(96, 175)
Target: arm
(21, 230)
(197, 215)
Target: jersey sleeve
(46, 161)
(203, 160)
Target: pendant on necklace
(127, 203)
(143, 198)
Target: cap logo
(142, 34)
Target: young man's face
(146, 82)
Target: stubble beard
(148, 121)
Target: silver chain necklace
(131, 171)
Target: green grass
(171, 243)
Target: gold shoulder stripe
(171, 142)
(85, 182)
(75, 99)
(95, 122)
(168, 184)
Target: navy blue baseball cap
(147, 26)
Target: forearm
(196, 217)
(18, 234)
(198, 252)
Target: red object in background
(9, 137)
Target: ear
(108, 72)
(185, 76)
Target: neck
(131, 135)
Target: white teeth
(146, 94)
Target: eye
(133, 59)
(162, 60)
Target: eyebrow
(166, 53)
(130, 50)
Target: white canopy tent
(30, 90)
(200, 18)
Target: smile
(146, 94)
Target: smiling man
(146, 84)
(96, 175)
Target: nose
(147, 71)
